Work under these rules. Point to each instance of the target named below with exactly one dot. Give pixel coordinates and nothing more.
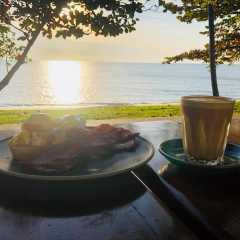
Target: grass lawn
(97, 113)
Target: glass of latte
(206, 122)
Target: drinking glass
(206, 122)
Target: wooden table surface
(122, 210)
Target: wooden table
(130, 214)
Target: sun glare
(65, 81)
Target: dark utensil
(179, 204)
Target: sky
(157, 35)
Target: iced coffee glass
(206, 122)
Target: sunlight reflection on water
(65, 81)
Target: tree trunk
(212, 51)
(5, 81)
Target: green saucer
(174, 153)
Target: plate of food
(68, 149)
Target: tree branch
(21, 59)
(5, 81)
(20, 30)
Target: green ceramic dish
(116, 164)
(174, 153)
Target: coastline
(84, 105)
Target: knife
(178, 203)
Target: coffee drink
(206, 121)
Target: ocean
(72, 82)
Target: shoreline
(88, 105)
(84, 105)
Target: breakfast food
(53, 146)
